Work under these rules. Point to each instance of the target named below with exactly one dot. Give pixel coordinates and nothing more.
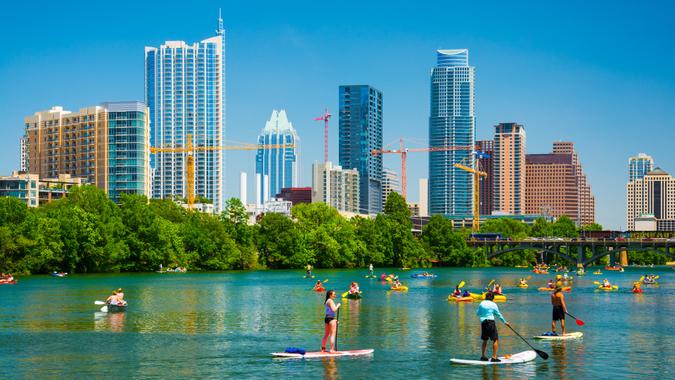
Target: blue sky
(600, 74)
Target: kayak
(401, 288)
(460, 299)
(598, 272)
(540, 272)
(523, 286)
(54, 274)
(546, 289)
(5, 282)
(116, 308)
(608, 288)
(420, 275)
(614, 268)
(521, 357)
(638, 291)
(572, 335)
(498, 297)
(321, 354)
(353, 296)
(319, 290)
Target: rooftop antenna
(220, 31)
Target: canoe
(521, 357)
(420, 275)
(116, 308)
(401, 288)
(498, 297)
(320, 354)
(572, 335)
(523, 286)
(460, 299)
(546, 289)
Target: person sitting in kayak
(559, 309)
(606, 284)
(550, 284)
(318, 287)
(523, 281)
(113, 299)
(383, 277)
(466, 293)
(636, 287)
(330, 322)
(457, 292)
(354, 288)
(395, 284)
(497, 289)
(487, 310)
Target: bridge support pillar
(623, 257)
(580, 254)
(612, 258)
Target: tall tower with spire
(185, 92)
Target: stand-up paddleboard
(320, 354)
(572, 335)
(521, 357)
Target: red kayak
(638, 291)
(319, 290)
(5, 282)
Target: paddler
(550, 284)
(318, 287)
(497, 289)
(309, 271)
(559, 309)
(113, 299)
(354, 288)
(606, 284)
(487, 310)
(457, 292)
(370, 269)
(523, 281)
(330, 322)
(636, 287)
(395, 284)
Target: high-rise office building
(638, 166)
(281, 165)
(485, 164)
(451, 123)
(424, 197)
(185, 91)
(360, 133)
(555, 185)
(654, 195)
(23, 153)
(335, 186)
(390, 183)
(509, 169)
(106, 145)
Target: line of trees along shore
(87, 233)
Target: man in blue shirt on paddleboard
(487, 310)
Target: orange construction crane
(190, 149)
(477, 173)
(403, 151)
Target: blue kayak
(421, 275)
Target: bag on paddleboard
(294, 350)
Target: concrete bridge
(575, 250)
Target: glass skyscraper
(280, 165)
(638, 166)
(185, 91)
(451, 123)
(360, 134)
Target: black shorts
(488, 330)
(558, 313)
(327, 320)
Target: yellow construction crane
(190, 149)
(476, 192)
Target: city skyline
(577, 89)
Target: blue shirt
(487, 311)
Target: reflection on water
(219, 325)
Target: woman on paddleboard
(559, 309)
(487, 310)
(330, 322)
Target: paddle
(337, 325)
(579, 321)
(461, 284)
(99, 303)
(539, 352)
(488, 285)
(344, 295)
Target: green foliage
(509, 228)
(592, 227)
(445, 244)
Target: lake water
(225, 325)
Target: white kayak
(521, 357)
(320, 354)
(572, 335)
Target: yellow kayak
(460, 299)
(401, 288)
(498, 297)
(608, 288)
(523, 286)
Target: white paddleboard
(319, 354)
(572, 335)
(521, 357)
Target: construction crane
(477, 173)
(403, 151)
(190, 149)
(325, 117)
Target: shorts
(328, 320)
(488, 330)
(558, 313)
